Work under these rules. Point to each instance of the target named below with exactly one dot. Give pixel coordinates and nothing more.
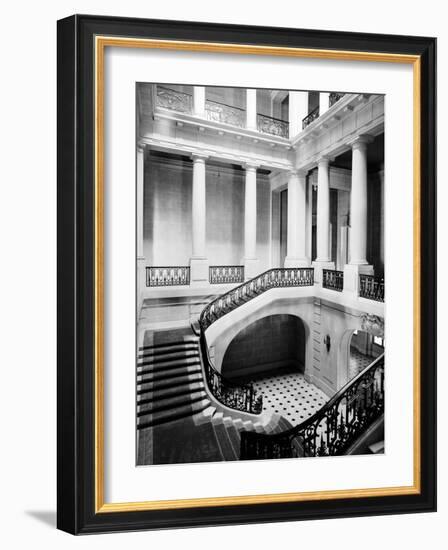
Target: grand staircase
(176, 419)
(169, 382)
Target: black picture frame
(76, 511)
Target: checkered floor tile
(358, 362)
(291, 396)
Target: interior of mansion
(260, 273)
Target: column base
(296, 262)
(199, 272)
(319, 266)
(351, 276)
(251, 267)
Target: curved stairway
(176, 420)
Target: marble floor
(291, 396)
(358, 362)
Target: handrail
(225, 105)
(239, 397)
(273, 118)
(243, 397)
(235, 297)
(310, 117)
(371, 287)
(340, 433)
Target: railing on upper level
(310, 117)
(220, 112)
(273, 278)
(371, 287)
(273, 126)
(334, 97)
(174, 100)
(333, 279)
(226, 274)
(167, 276)
(333, 429)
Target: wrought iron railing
(243, 398)
(310, 117)
(333, 429)
(333, 279)
(174, 100)
(220, 112)
(167, 276)
(226, 274)
(334, 97)
(371, 287)
(273, 126)
(239, 397)
(273, 278)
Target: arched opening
(364, 349)
(269, 346)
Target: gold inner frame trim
(101, 42)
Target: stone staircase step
(155, 385)
(161, 417)
(167, 374)
(377, 447)
(185, 340)
(157, 366)
(168, 357)
(170, 402)
(224, 441)
(206, 416)
(160, 352)
(235, 439)
(238, 423)
(155, 395)
(217, 418)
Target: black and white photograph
(260, 273)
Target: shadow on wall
(272, 345)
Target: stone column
(250, 260)
(296, 242)
(141, 260)
(251, 109)
(198, 261)
(358, 217)
(309, 221)
(323, 260)
(324, 102)
(199, 101)
(298, 110)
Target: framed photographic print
(246, 274)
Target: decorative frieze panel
(220, 112)
(168, 98)
(273, 126)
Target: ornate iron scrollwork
(371, 287)
(273, 126)
(333, 429)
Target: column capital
(361, 141)
(199, 157)
(324, 161)
(141, 147)
(250, 165)
(299, 173)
